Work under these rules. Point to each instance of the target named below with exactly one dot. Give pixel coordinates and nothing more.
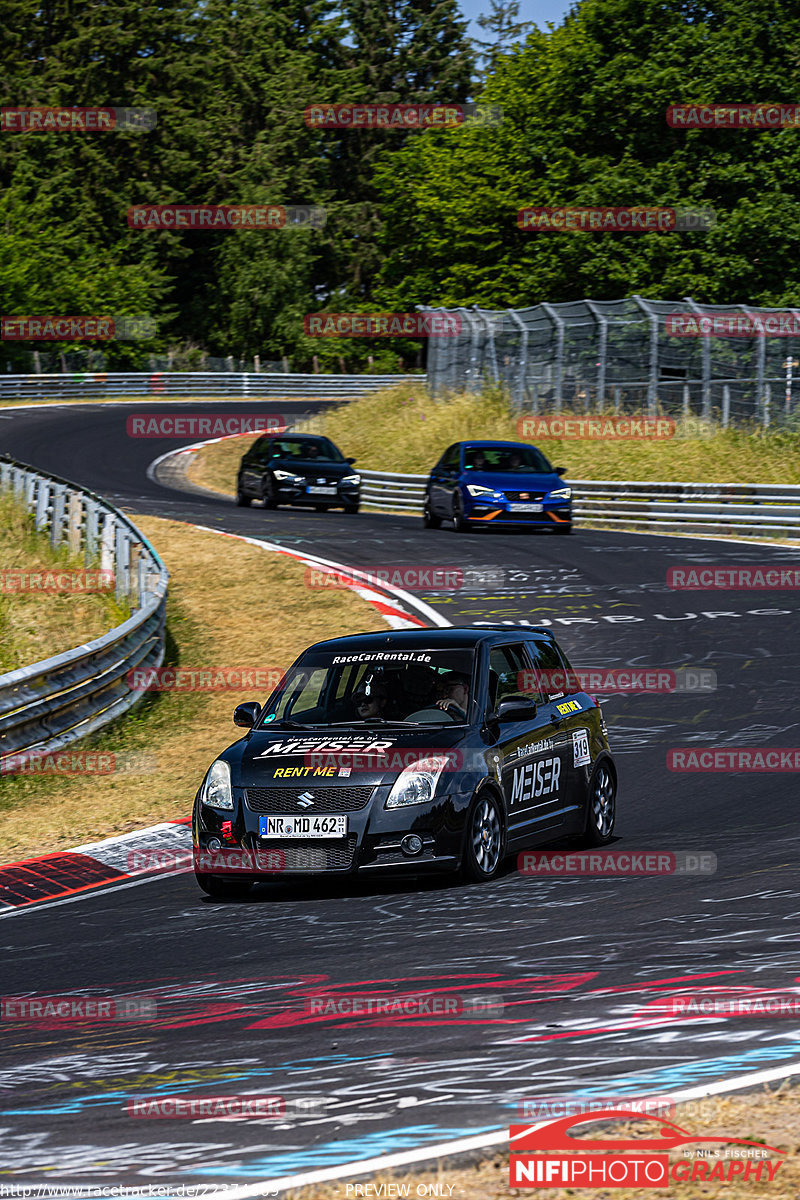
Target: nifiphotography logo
(632, 1162)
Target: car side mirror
(519, 709)
(560, 470)
(350, 460)
(247, 714)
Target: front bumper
(373, 841)
(502, 513)
(345, 495)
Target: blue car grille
(535, 496)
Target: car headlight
(416, 783)
(475, 489)
(216, 790)
(561, 494)
(351, 479)
(287, 477)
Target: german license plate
(526, 507)
(293, 826)
(321, 491)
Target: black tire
(485, 843)
(242, 501)
(564, 527)
(429, 521)
(222, 889)
(351, 508)
(268, 492)
(601, 806)
(460, 522)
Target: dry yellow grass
(231, 605)
(402, 429)
(36, 625)
(769, 1117)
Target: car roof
(290, 435)
(427, 639)
(493, 442)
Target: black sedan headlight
(216, 791)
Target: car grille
(327, 799)
(524, 495)
(307, 854)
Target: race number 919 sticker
(580, 747)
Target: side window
(509, 675)
(451, 458)
(555, 676)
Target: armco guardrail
(48, 705)
(235, 385)
(748, 508)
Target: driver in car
(370, 699)
(453, 694)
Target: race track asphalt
(574, 960)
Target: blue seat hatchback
(497, 483)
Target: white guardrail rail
(713, 507)
(46, 706)
(190, 384)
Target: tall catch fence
(629, 355)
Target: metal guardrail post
(652, 381)
(559, 324)
(57, 517)
(489, 324)
(706, 348)
(519, 393)
(602, 349)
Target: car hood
(338, 758)
(516, 481)
(312, 466)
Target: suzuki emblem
(305, 800)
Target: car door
(253, 466)
(566, 707)
(531, 764)
(442, 481)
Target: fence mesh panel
(630, 355)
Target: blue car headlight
(561, 494)
(351, 479)
(476, 489)
(289, 477)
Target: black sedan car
(299, 469)
(437, 749)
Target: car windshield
(414, 687)
(306, 449)
(506, 458)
